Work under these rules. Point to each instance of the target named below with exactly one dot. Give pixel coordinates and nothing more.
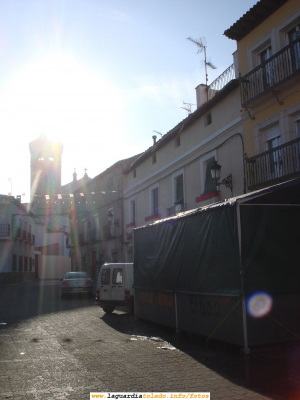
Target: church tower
(45, 166)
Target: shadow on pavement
(272, 371)
(29, 300)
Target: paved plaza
(65, 349)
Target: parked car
(114, 287)
(76, 282)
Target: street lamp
(216, 173)
(110, 217)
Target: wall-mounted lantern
(216, 174)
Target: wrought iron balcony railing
(267, 76)
(273, 166)
(175, 209)
(221, 81)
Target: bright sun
(58, 96)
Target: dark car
(76, 282)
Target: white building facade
(174, 174)
(17, 240)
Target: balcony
(221, 81)
(4, 231)
(279, 68)
(273, 166)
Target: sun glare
(59, 96)
(69, 102)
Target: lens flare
(259, 304)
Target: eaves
(252, 18)
(191, 119)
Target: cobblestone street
(65, 349)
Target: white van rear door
(118, 283)
(105, 284)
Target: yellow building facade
(268, 51)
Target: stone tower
(45, 166)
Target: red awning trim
(207, 196)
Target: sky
(101, 76)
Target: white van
(114, 286)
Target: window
(292, 35)
(267, 71)
(25, 264)
(132, 211)
(76, 275)
(110, 182)
(297, 127)
(117, 278)
(177, 142)
(154, 159)
(20, 263)
(256, 54)
(134, 173)
(210, 185)
(272, 140)
(265, 55)
(154, 199)
(208, 119)
(14, 263)
(30, 264)
(179, 189)
(105, 276)
(111, 224)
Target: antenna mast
(188, 107)
(201, 44)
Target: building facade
(97, 220)
(268, 50)
(174, 174)
(17, 241)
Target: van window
(117, 276)
(105, 276)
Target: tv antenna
(188, 107)
(201, 43)
(158, 133)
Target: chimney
(201, 94)
(236, 64)
(154, 139)
(74, 175)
